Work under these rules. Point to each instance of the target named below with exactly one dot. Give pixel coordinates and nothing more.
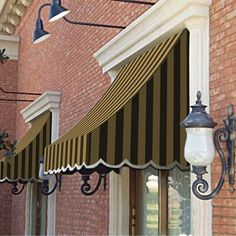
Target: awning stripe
(136, 122)
(24, 166)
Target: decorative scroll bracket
(45, 188)
(15, 189)
(86, 187)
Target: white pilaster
(51, 223)
(201, 216)
(199, 58)
(119, 203)
(48, 101)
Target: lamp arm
(136, 2)
(41, 7)
(92, 24)
(200, 185)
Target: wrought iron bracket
(3, 57)
(226, 135)
(45, 185)
(86, 187)
(15, 189)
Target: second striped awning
(24, 165)
(136, 122)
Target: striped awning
(136, 122)
(24, 165)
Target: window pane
(171, 204)
(152, 205)
(179, 203)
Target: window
(36, 210)
(160, 202)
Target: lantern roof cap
(198, 118)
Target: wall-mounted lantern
(199, 148)
(57, 11)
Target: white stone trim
(48, 101)
(11, 44)
(164, 19)
(161, 21)
(201, 211)
(51, 219)
(30, 210)
(11, 12)
(12, 38)
(2, 5)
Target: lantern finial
(199, 101)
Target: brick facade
(223, 92)
(8, 79)
(65, 63)
(5, 210)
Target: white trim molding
(11, 12)
(164, 19)
(11, 44)
(48, 101)
(201, 211)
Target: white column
(50, 100)
(51, 219)
(119, 203)
(201, 211)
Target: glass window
(161, 205)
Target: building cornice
(48, 101)
(158, 23)
(11, 12)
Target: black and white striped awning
(24, 165)
(136, 122)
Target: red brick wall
(80, 214)
(18, 214)
(65, 63)
(5, 209)
(8, 76)
(223, 92)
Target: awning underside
(136, 122)
(24, 166)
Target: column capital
(197, 22)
